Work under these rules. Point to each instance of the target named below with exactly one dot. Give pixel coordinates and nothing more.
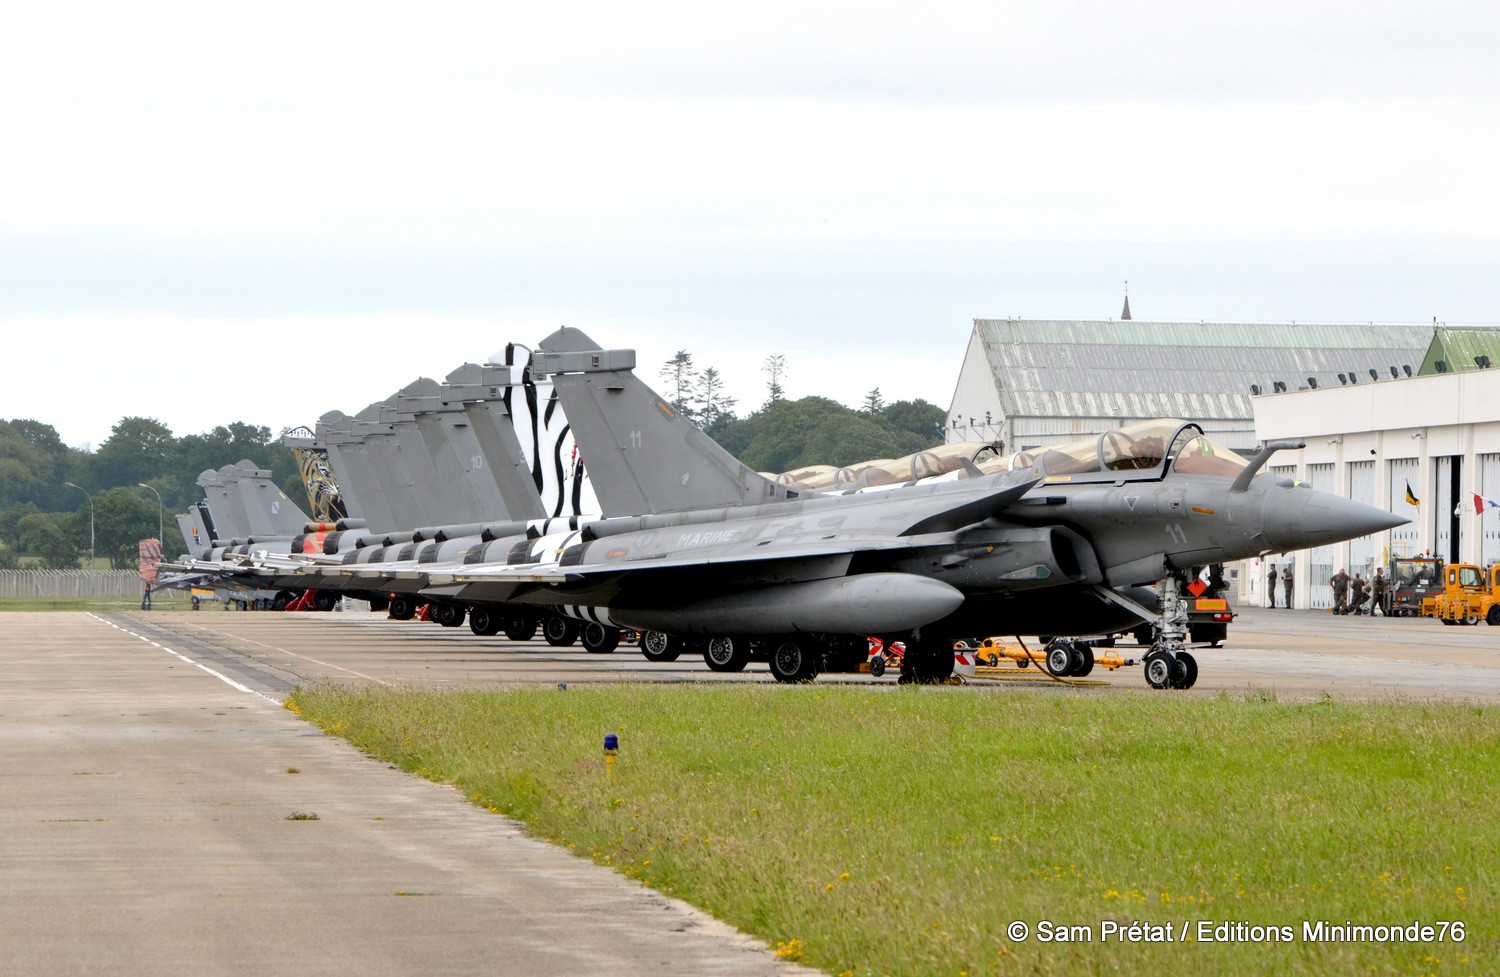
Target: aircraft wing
(958, 515)
(681, 559)
(179, 581)
(190, 572)
(810, 555)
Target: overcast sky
(212, 213)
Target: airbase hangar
(1380, 408)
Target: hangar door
(1320, 558)
(1447, 470)
(1362, 555)
(1404, 539)
(1489, 521)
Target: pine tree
(709, 402)
(680, 376)
(774, 368)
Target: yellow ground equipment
(1470, 595)
(1061, 658)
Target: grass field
(901, 832)
(161, 602)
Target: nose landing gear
(1170, 665)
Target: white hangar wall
(1440, 434)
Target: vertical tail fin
(335, 430)
(643, 455)
(266, 506)
(220, 516)
(324, 498)
(194, 534)
(441, 480)
(481, 392)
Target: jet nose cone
(1320, 518)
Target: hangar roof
(1459, 349)
(1088, 368)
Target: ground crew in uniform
(1271, 586)
(1340, 584)
(1286, 585)
(1360, 596)
(1377, 591)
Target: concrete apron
(144, 829)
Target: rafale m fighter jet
(717, 551)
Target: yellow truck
(1470, 595)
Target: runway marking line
(178, 655)
(252, 641)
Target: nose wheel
(1170, 666)
(1167, 671)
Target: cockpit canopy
(1137, 451)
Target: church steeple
(1125, 316)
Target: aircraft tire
(928, 662)
(1159, 669)
(484, 621)
(324, 601)
(559, 632)
(450, 615)
(1083, 660)
(283, 598)
(793, 661)
(658, 646)
(403, 608)
(1185, 671)
(599, 639)
(725, 654)
(846, 654)
(1060, 659)
(520, 627)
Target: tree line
(783, 435)
(48, 488)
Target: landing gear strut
(1169, 665)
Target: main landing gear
(1069, 659)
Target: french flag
(1481, 504)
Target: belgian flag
(1411, 499)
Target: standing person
(1378, 588)
(1286, 585)
(1359, 594)
(1271, 586)
(1340, 584)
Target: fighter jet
(430, 473)
(719, 552)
